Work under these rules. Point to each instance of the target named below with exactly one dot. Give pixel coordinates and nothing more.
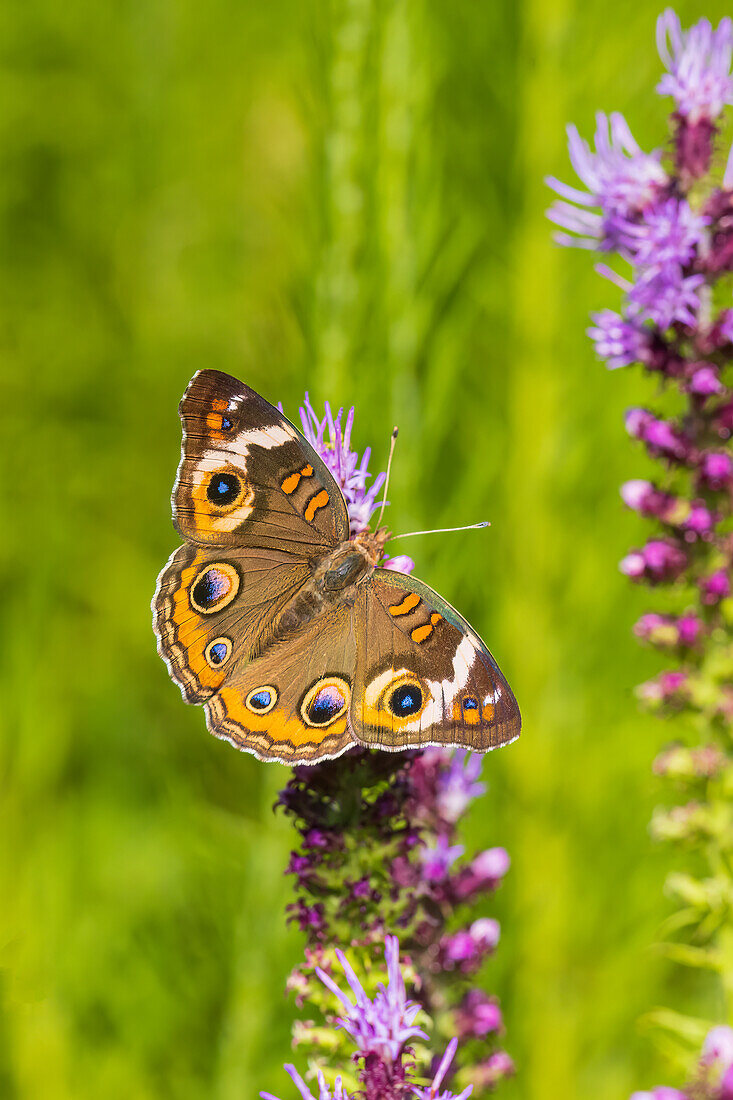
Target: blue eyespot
(469, 703)
(405, 700)
(218, 652)
(226, 424)
(324, 707)
(211, 587)
(223, 489)
(260, 700)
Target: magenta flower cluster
(673, 227)
(382, 1029)
(667, 216)
(377, 854)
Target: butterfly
(284, 626)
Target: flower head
(324, 1093)
(698, 63)
(458, 784)
(333, 444)
(620, 179)
(669, 233)
(432, 1091)
(385, 1024)
(619, 341)
(437, 859)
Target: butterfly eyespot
(470, 703)
(224, 489)
(326, 701)
(218, 652)
(406, 700)
(226, 424)
(261, 699)
(214, 588)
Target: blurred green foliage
(348, 198)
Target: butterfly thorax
(335, 581)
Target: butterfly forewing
(247, 476)
(423, 675)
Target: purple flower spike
(620, 179)
(698, 60)
(384, 1025)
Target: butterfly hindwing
(423, 675)
(215, 608)
(292, 704)
(248, 477)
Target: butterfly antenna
(386, 480)
(442, 530)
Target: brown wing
(215, 607)
(292, 704)
(423, 675)
(247, 476)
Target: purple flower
(714, 587)
(618, 341)
(620, 179)
(718, 1046)
(401, 563)
(431, 1092)
(488, 1074)
(705, 381)
(661, 437)
(339, 1092)
(438, 859)
(466, 949)
(716, 470)
(384, 1025)
(661, 1092)
(660, 560)
(484, 872)
(458, 784)
(477, 1015)
(333, 444)
(663, 688)
(668, 234)
(667, 631)
(698, 63)
(666, 295)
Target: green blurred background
(346, 198)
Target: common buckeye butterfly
(283, 626)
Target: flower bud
(715, 587)
(715, 470)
